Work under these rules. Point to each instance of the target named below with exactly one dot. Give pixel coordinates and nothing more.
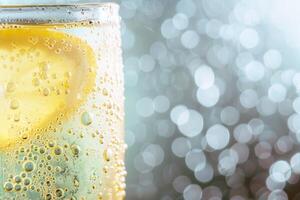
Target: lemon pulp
(44, 75)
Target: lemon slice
(44, 77)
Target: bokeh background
(212, 98)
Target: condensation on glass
(61, 102)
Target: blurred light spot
(254, 71)
(208, 97)
(242, 150)
(145, 107)
(217, 136)
(204, 174)
(204, 77)
(180, 183)
(212, 192)
(129, 138)
(131, 78)
(296, 105)
(180, 21)
(187, 7)
(272, 59)
(192, 192)
(179, 114)
(193, 126)
(249, 98)
(277, 93)
(168, 30)
(181, 146)
(257, 126)
(158, 50)
(295, 163)
(263, 150)
(161, 104)
(153, 155)
(280, 171)
(249, 38)
(266, 107)
(230, 115)
(242, 133)
(190, 39)
(213, 28)
(278, 194)
(195, 158)
(147, 63)
(228, 160)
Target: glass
(61, 100)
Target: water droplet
(8, 186)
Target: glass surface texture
(61, 103)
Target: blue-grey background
(212, 98)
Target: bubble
(145, 107)
(242, 133)
(58, 150)
(208, 97)
(17, 179)
(180, 182)
(180, 21)
(8, 186)
(107, 154)
(254, 71)
(217, 136)
(86, 118)
(277, 93)
(28, 166)
(59, 193)
(295, 163)
(192, 192)
(204, 77)
(46, 92)
(14, 104)
(168, 30)
(195, 158)
(193, 125)
(161, 104)
(249, 38)
(204, 174)
(181, 146)
(75, 149)
(249, 98)
(190, 39)
(27, 181)
(146, 63)
(18, 187)
(272, 59)
(280, 171)
(10, 87)
(230, 115)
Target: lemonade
(61, 100)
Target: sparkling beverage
(61, 102)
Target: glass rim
(58, 13)
(63, 5)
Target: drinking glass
(61, 102)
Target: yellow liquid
(61, 122)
